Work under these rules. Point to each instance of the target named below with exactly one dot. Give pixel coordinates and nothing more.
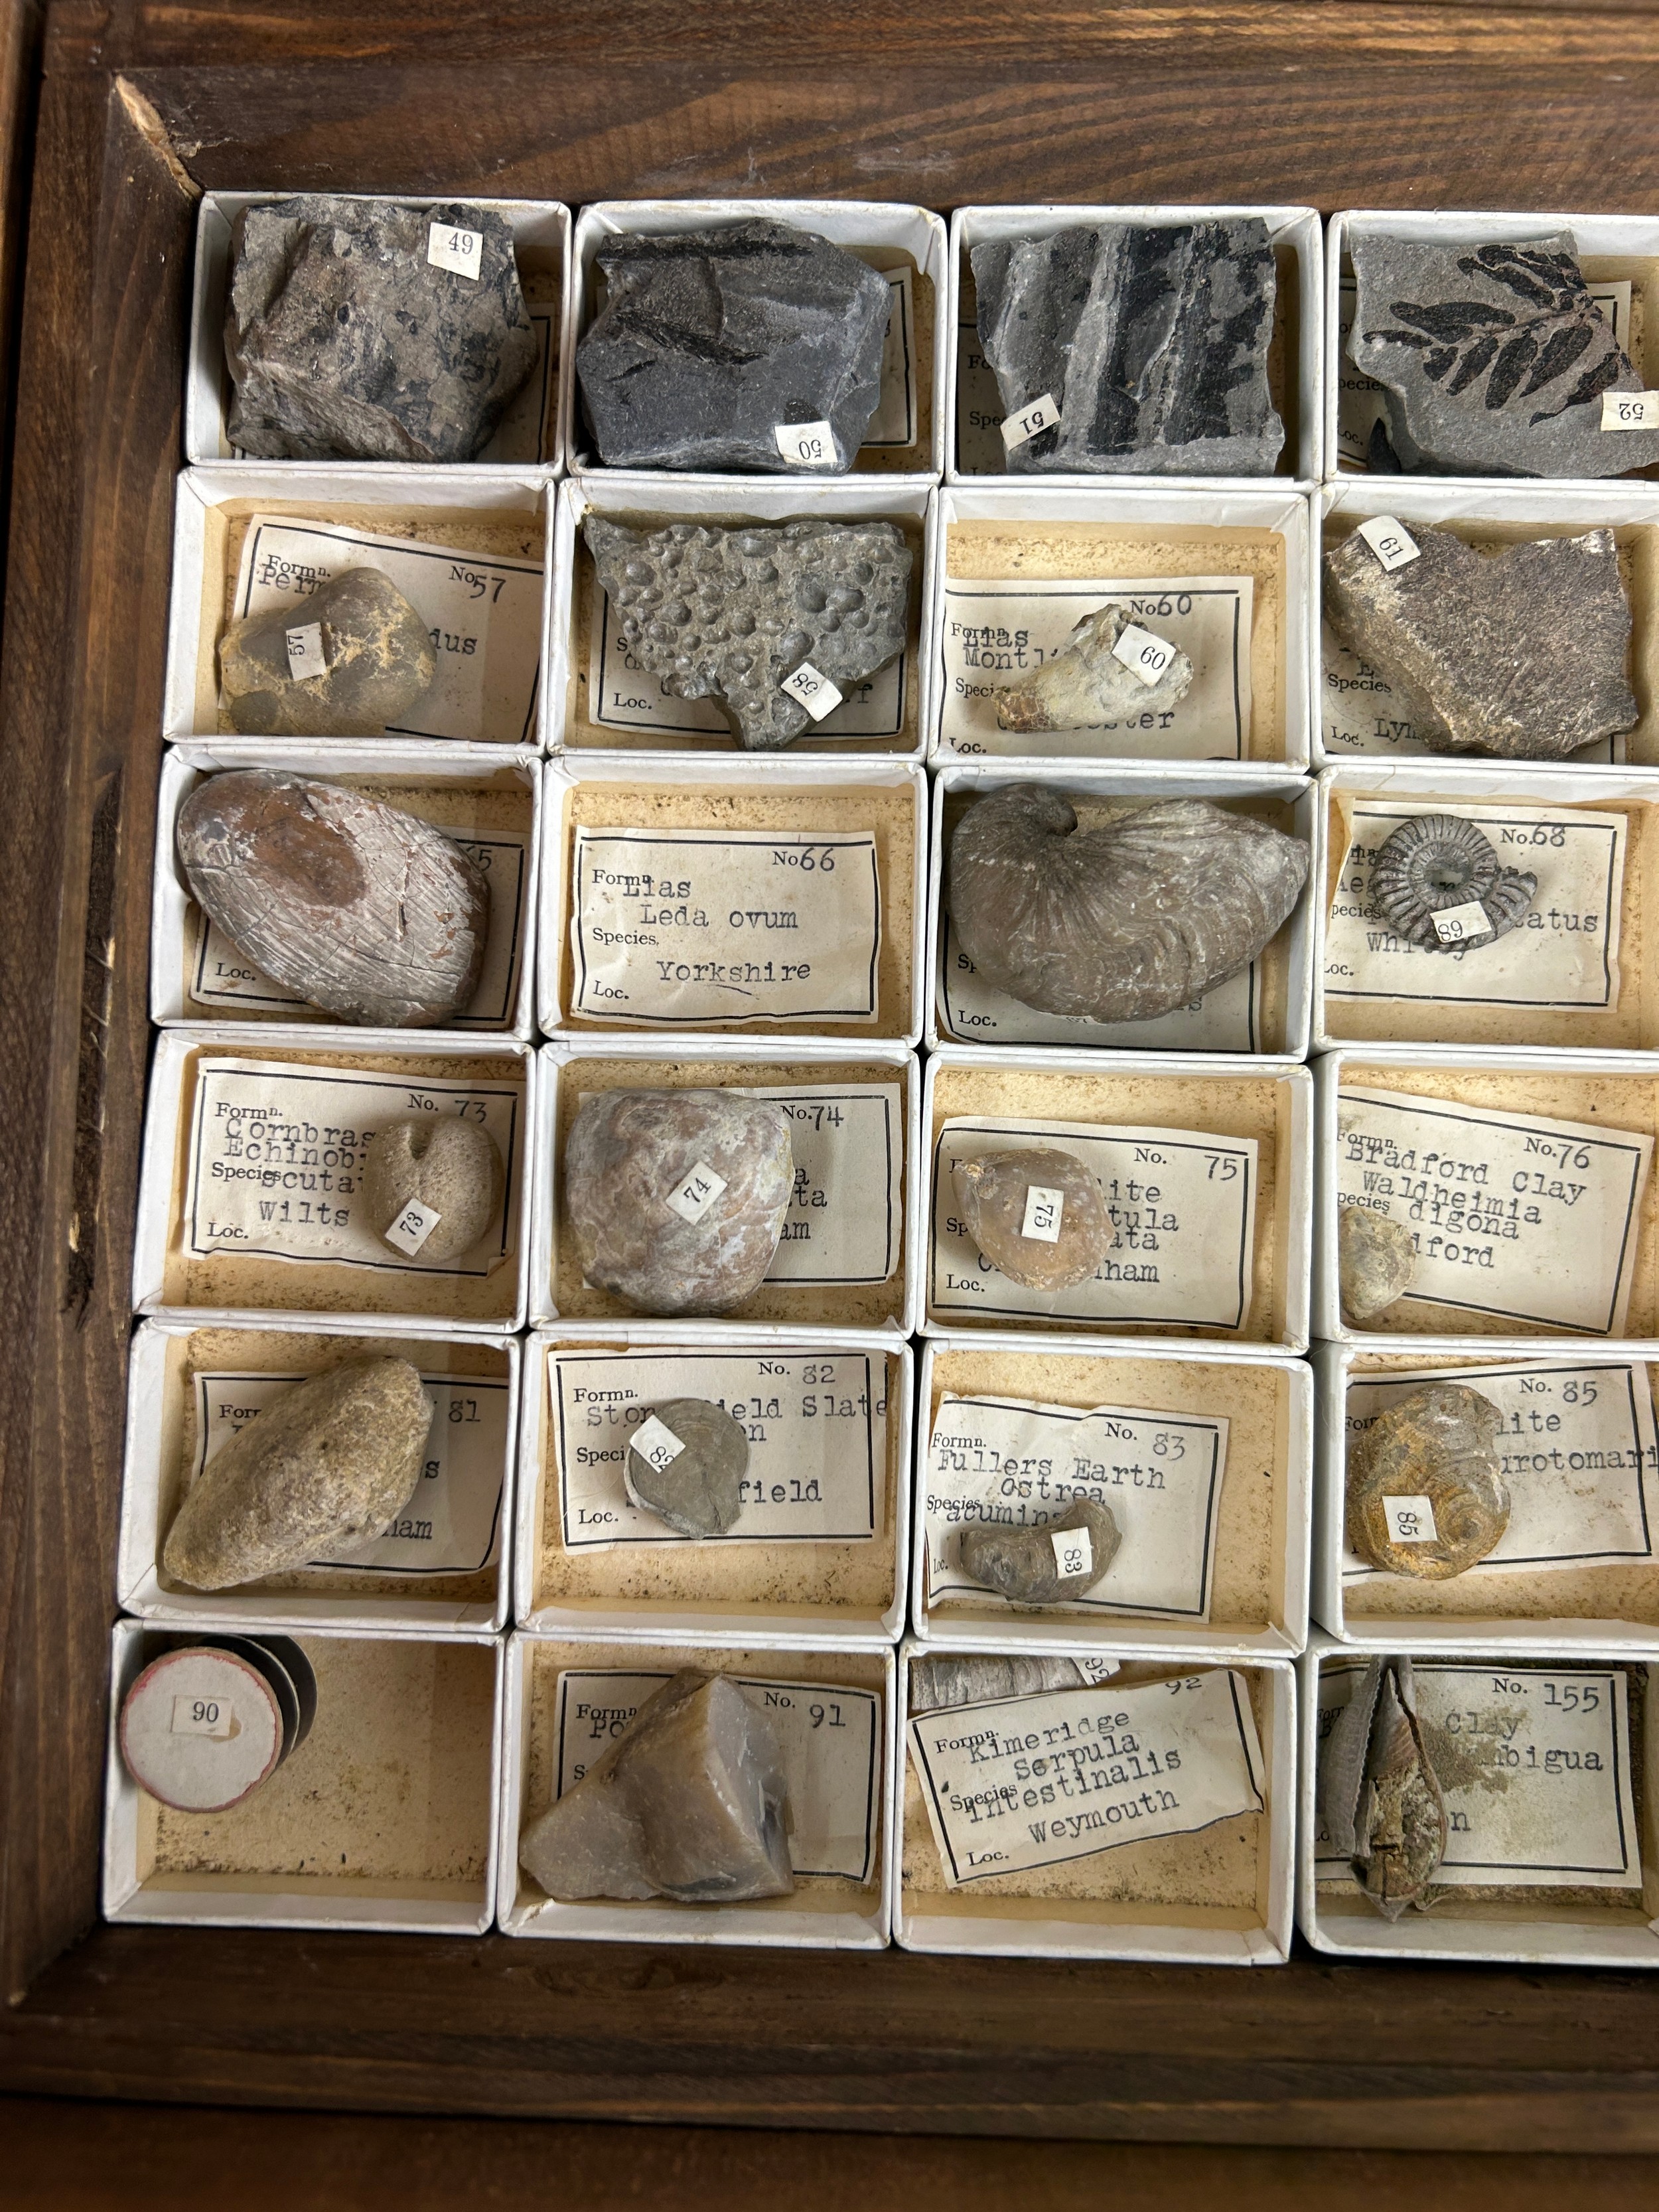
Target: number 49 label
(461, 251)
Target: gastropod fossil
(1123, 922)
(1426, 1495)
(1432, 870)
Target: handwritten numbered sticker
(1630, 410)
(694, 1197)
(1411, 1520)
(1042, 414)
(1148, 656)
(1043, 1210)
(214, 1716)
(1455, 925)
(1074, 1551)
(412, 1227)
(809, 444)
(1389, 540)
(306, 656)
(656, 1444)
(461, 251)
(815, 692)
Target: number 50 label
(809, 444)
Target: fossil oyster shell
(1121, 923)
(1437, 1444)
(1023, 1563)
(1048, 1242)
(1085, 683)
(677, 1198)
(1435, 862)
(699, 1490)
(1375, 1260)
(1378, 1798)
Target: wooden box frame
(141, 106)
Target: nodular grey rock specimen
(1494, 358)
(1085, 683)
(710, 341)
(690, 1803)
(727, 614)
(700, 1490)
(1153, 341)
(451, 1167)
(1439, 1443)
(380, 659)
(1378, 1798)
(1375, 1260)
(327, 1466)
(935, 1683)
(344, 342)
(677, 1198)
(1522, 654)
(1122, 922)
(367, 912)
(993, 1191)
(1436, 863)
(1022, 1564)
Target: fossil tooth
(1431, 1459)
(1123, 922)
(1435, 863)
(1085, 683)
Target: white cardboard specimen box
(1359, 716)
(444, 1562)
(820, 1550)
(1204, 1459)
(601, 700)
(1575, 1570)
(1616, 253)
(470, 548)
(847, 1263)
(1222, 575)
(385, 1818)
(1263, 1010)
(1200, 1874)
(831, 1711)
(907, 244)
(248, 1203)
(529, 432)
(1549, 1819)
(1207, 1171)
(489, 801)
(780, 898)
(1294, 356)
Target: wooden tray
(141, 108)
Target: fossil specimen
(728, 614)
(1375, 1260)
(690, 1803)
(1037, 1566)
(1379, 1799)
(686, 1461)
(367, 912)
(1426, 1495)
(1433, 869)
(677, 1198)
(377, 655)
(1037, 1216)
(1494, 359)
(449, 1168)
(1473, 641)
(1121, 923)
(1085, 682)
(972, 1680)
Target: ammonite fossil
(1432, 870)
(1121, 923)
(1426, 1495)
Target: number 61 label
(1390, 541)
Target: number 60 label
(1148, 656)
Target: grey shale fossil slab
(688, 1803)
(1153, 341)
(1425, 1491)
(1494, 358)
(1038, 1567)
(1085, 682)
(367, 912)
(1474, 640)
(450, 1169)
(1038, 1216)
(329, 1464)
(1122, 922)
(1378, 1798)
(375, 651)
(686, 1461)
(729, 614)
(344, 342)
(1375, 1260)
(710, 342)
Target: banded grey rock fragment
(378, 655)
(449, 1167)
(727, 614)
(935, 1683)
(699, 1488)
(1378, 1798)
(1494, 358)
(1375, 1260)
(367, 912)
(1434, 1451)
(1085, 683)
(344, 342)
(1122, 922)
(677, 1198)
(690, 1803)
(1038, 1216)
(711, 341)
(1024, 1564)
(1522, 654)
(329, 1464)
(1153, 341)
